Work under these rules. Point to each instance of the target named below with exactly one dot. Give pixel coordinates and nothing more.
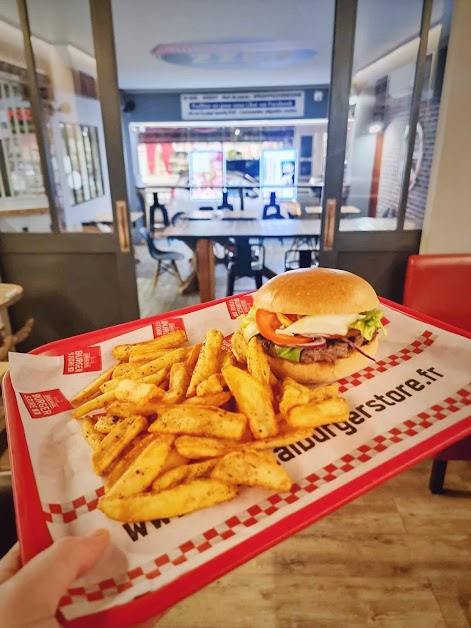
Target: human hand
(29, 595)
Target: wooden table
(345, 209)
(201, 234)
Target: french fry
(172, 340)
(239, 347)
(116, 441)
(90, 434)
(283, 439)
(208, 360)
(195, 447)
(125, 409)
(120, 371)
(174, 459)
(199, 421)
(215, 399)
(295, 394)
(251, 469)
(228, 359)
(257, 362)
(192, 358)
(254, 400)
(173, 502)
(145, 371)
(106, 423)
(214, 384)
(94, 404)
(135, 448)
(184, 473)
(179, 380)
(321, 413)
(143, 470)
(136, 392)
(89, 391)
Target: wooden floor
(397, 557)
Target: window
(82, 163)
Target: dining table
(200, 235)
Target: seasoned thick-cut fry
(121, 370)
(124, 409)
(173, 502)
(252, 469)
(199, 421)
(94, 404)
(281, 440)
(136, 392)
(171, 340)
(90, 434)
(208, 360)
(254, 400)
(106, 423)
(193, 355)
(257, 361)
(195, 447)
(174, 459)
(179, 380)
(239, 347)
(115, 442)
(295, 394)
(145, 371)
(216, 399)
(184, 473)
(89, 391)
(228, 359)
(136, 447)
(144, 469)
(214, 384)
(322, 413)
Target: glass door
(65, 231)
(387, 74)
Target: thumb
(49, 574)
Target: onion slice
(353, 345)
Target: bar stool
(248, 260)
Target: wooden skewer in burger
(316, 325)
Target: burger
(316, 325)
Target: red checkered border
(68, 512)
(380, 366)
(64, 513)
(366, 452)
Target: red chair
(440, 286)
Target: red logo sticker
(165, 326)
(238, 306)
(82, 361)
(226, 343)
(45, 403)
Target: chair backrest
(157, 206)
(153, 250)
(440, 286)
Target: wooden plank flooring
(397, 557)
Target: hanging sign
(246, 105)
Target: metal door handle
(123, 226)
(329, 229)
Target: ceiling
(227, 43)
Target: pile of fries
(177, 428)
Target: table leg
(205, 260)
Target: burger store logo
(164, 327)
(239, 306)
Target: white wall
(447, 224)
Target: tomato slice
(267, 323)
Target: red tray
(34, 535)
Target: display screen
(206, 169)
(279, 173)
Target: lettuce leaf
(289, 353)
(370, 322)
(248, 324)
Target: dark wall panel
(67, 294)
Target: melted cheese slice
(336, 324)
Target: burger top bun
(316, 291)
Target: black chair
(272, 209)
(300, 258)
(166, 260)
(157, 208)
(245, 260)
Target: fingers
(51, 573)
(10, 563)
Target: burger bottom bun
(324, 372)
